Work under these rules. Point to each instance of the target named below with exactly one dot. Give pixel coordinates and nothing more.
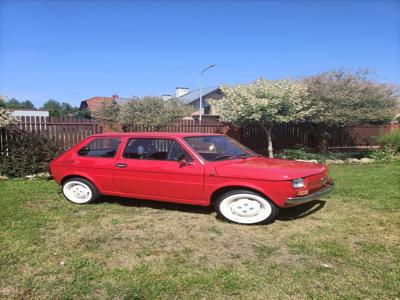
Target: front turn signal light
(302, 193)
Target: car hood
(263, 168)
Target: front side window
(100, 148)
(218, 147)
(155, 149)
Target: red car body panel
(278, 169)
(195, 183)
(160, 179)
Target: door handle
(120, 165)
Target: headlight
(298, 183)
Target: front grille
(315, 182)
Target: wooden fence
(291, 135)
(359, 136)
(284, 136)
(69, 131)
(65, 131)
(182, 126)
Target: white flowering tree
(265, 102)
(5, 117)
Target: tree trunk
(320, 136)
(268, 131)
(324, 139)
(323, 145)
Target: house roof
(94, 102)
(192, 96)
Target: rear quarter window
(100, 148)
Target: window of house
(100, 148)
(155, 149)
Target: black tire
(233, 213)
(83, 184)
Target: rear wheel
(246, 207)
(80, 191)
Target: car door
(150, 168)
(95, 161)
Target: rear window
(100, 148)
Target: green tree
(13, 104)
(16, 104)
(82, 113)
(2, 102)
(64, 109)
(54, 108)
(153, 111)
(27, 104)
(265, 102)
(345, 98)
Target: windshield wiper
(226, 155)
(223, 155)
(243, 155)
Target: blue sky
(73, 50)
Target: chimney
(180, 91)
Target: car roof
(153, 134)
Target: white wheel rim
(245, 208)
(77, 192)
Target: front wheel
(80, 191)
(246, 207)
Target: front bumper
(304, 199)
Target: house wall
(207, 108)
(30, 113)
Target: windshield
(218, 147)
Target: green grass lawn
(347, 247)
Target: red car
(190, 168)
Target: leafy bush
(107, 113)
(27, 153)
(306, 154)
(379, 154)
(390, 141)
(298, 154)
(153, 112)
